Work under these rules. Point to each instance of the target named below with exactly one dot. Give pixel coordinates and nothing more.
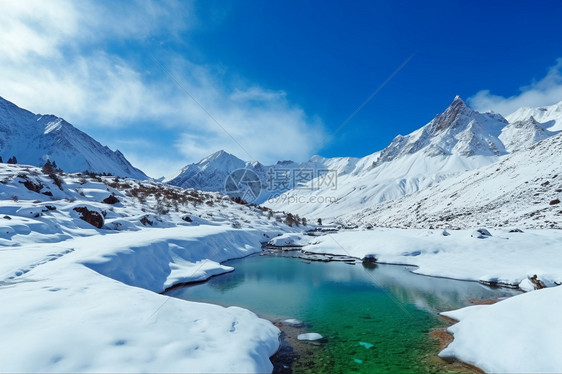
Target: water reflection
(279, 285)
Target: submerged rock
(293, 322)
(366, 345)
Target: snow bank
(288, 240)
(504, 257)
(70, 318)
(518, 335)
(156, 259)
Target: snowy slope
(34, 138)
(522, 134)
(457, 140)
(80, 298)
(550, 117)
(524, 189)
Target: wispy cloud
(545, 91)
(54, 58)
(67, 58)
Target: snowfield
(71, 318)
(76, 298)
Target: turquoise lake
(375, 318)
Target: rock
(537, 283)
(515, 230)
(371, 259)
(111, 199)
(35, 187)
(91, 216)
(145, 221)
(311, 336)
(187, 218)
(481, 234)
(555, 201)
(293, 322)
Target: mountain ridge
(454, 141)
(36, 138)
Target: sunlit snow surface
(76, 298)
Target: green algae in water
(374, 319)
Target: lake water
(375, 318)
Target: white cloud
(53, 57)
(59, 57)
(546, 91)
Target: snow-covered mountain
(457, 140)
(211, 173)
(459, 130)
(550, 117)
(33, 139)
(524, 133)
(524, 189)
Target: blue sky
(278, 77)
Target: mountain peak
(452, 114)
(458, 99)
(220, 156)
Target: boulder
(93, 217)
(481, 234)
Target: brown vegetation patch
(483, 302)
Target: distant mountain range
(433, 159)
(457, 140)
(34, 138)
